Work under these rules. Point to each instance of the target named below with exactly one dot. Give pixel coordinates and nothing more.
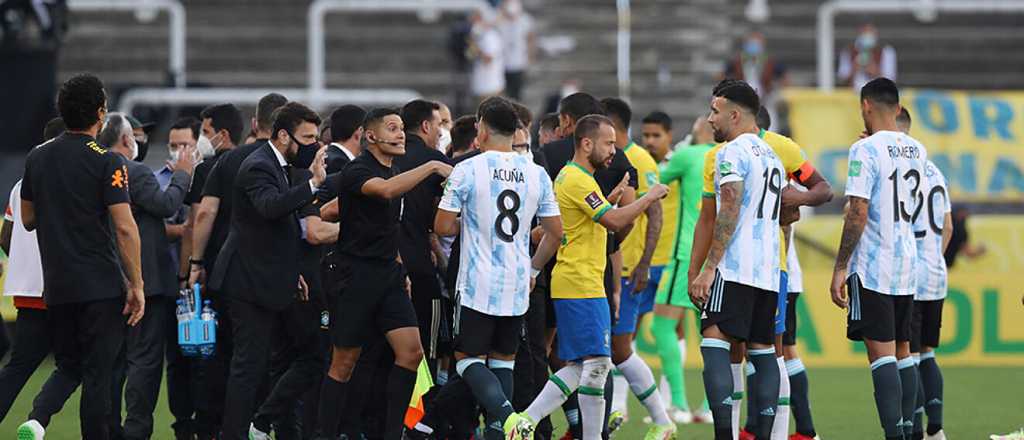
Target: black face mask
(143, 149)
(305, 154)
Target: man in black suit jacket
(346, 131)
(144, 351)
(258, 269)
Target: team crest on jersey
(593, 200)
(855, 166)
(725, 168)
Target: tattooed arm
(730, 195)
(853, 228)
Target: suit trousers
(145, 353)
(31, 346)
(254, 329)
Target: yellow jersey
(647, 176)
(579, 270)
(669, 225)
(793, 160)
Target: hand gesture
(658, 191)
(701, 286)
(838, 288)
(134, 305)
(186, 160)
(319, 166)
(616, 193)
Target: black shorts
(374, 300)
(742, 312)
(877, 316)
(479, 334)
(789, 337)
(925, 325)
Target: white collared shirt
(281, 161)
(344, 150)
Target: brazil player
(798, 169)
(498, 193)
(737, 288)
(577, 288)
(933, 229)
(874, 276)
(637, 295)
(683, 173)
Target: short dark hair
(763, 118)
(617, 109)
(660, 118)
(578, 105)
(190, 123)
(463, 133)
(79, 101)
(225, 117)
(904, 117)
(549, 122)
(375, 115)
(55, 127)
(345, 120)
(739, 93)
(265, 109)
(500, 115)
(523, 113)
(882, 91)
(288, 117)
(416, 111)
(587, 127)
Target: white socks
(737, 398)
(780, 428)
(641, 381)
(558, 388)
(621, 392)
(591, 395)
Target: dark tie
(288, 174)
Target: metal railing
(316, 46)
(201, 96)
(176, 14)
(920, 8)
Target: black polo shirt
(71, 181)
(199, 176)
(420, 205)
(369, 225)
(219, 183)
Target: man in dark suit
(145, 342)
(258, 269)
(346, 131)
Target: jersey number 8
(507, 212)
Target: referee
(73, 190)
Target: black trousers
(183, 375)
(31, 346)
(86, 340)
(145, 351)
(531, 372)
(212, 374)
(254, 327)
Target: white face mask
(444, 140)
(175, 155)
(134, 146)
(204, 147)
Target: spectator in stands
(753, 65)
(866, 59)
(519, 42)
(488, 78)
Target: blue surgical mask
(753, 47)
(866, 41)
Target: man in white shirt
(488, 78)
(866, 59)
(519, 42)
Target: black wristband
(195, 262)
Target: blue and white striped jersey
(498, 194)
(794, 272)
(888, 169)
(752, 256)
(931, 265)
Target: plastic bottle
(208, 316)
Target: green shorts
(673, 290)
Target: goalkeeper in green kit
(683, 173)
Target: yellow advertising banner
(983, 317)
(974, 137)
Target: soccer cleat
(746, 435)
(31, 430)
(703, 416)
(937, 436)
(518, 426)
(256, 434)
(661, 432)
(1016, 435)
(680, 416)
(799, 436)
(615, 421)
